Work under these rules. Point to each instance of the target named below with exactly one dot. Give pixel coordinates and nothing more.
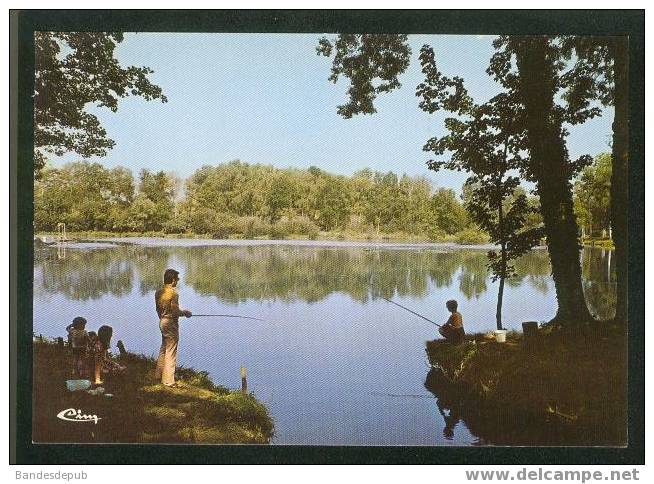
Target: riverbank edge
(325, 236)
(142, 410)
(575, 377)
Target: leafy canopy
(488, 141)
(371, 62)
(73, 70)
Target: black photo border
(24, 23)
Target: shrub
(436, 235)
(278, 231)
(300, 226)
(252, 227)
(223, 226)
(175, 225)
(313, 234)
(471, 237)
(202, 220)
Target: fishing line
(224, 316)
(370, 280)
(412, 312)
(400, 395)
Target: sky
(265, 98)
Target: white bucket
(500, 335)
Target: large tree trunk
(619, 49)
(552, 173)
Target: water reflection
(82, 275)
(489, 427)
(600, 289)
(451, 416)
(325, 325)
(287, 273)
(496, 426)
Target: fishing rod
(412, 312)
(223, 316)
(370, 280)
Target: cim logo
(72, 415)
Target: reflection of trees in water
(443, 268)
(83, 274)
(236, 274)
(600, 289)
(151, 263)
(289, 273)
(474, 274)
(534, 268)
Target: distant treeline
(247, 200)
(240, 199)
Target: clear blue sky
(265, 98)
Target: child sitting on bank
(453, 330)
(78, 340)
(100, 360)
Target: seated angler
(453, 330)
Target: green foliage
(252, 227)
(371, 62)
(333, 202)
(153, 207)
(300, 226)
(449, 215)
(486, 141)
(85, 196)
(278, 231)
(71, 71)
(592, 195)
(222, 226)
(543, 89)
(176, 225)
(201, 220)
(278, 196)
(260, 199)
(471, 237)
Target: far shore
(326, 239)
(89, 239)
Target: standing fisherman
(167, 302)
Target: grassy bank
(465, 237)
(141, 409)
(567, 386)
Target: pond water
(335, 363)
